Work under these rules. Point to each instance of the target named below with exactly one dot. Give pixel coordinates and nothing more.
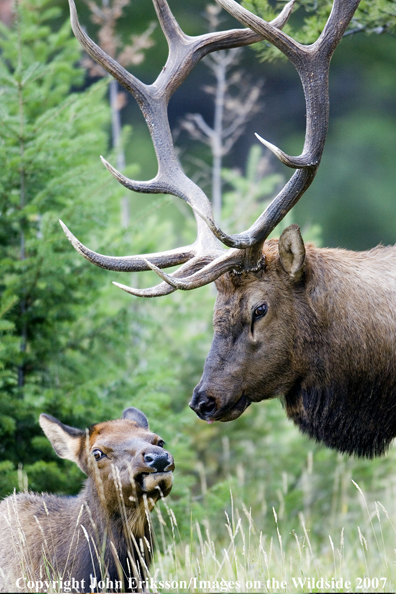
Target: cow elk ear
(292, 252)
(65, 440)
(133, 414)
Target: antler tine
(169, 24)
(157, 185)
(185, 278)
(172, 29)
(158, 291)
(131, 263)
(127, 80)
(199, 271)
(227, 261)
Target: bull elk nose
(203, 404)
(158, 461)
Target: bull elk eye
(98, 454)
(260, 311)
(161, 443)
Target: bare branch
(200, 123)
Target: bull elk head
(316, 327)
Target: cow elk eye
(98, 454)
(260, 311)
(161, 443)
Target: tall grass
(248, 557)
(357, 553)
(246, 543)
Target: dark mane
(353, 418)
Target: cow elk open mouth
(156, 484)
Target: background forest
(74, 346)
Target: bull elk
(315, 327)
(99, 540)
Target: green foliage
(48, 146)
(282, 552)
(71, 345)
(375, 17)
(311, 16)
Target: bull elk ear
(292, 251)
(65, 440)
(133, 414)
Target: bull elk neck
(104, 532)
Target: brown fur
(327, 346)
(104, 531)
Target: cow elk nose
(203, 405)
(157, 461)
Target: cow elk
(315, 327)
(100, 539)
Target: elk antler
(205, 260)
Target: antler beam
(205, 260)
